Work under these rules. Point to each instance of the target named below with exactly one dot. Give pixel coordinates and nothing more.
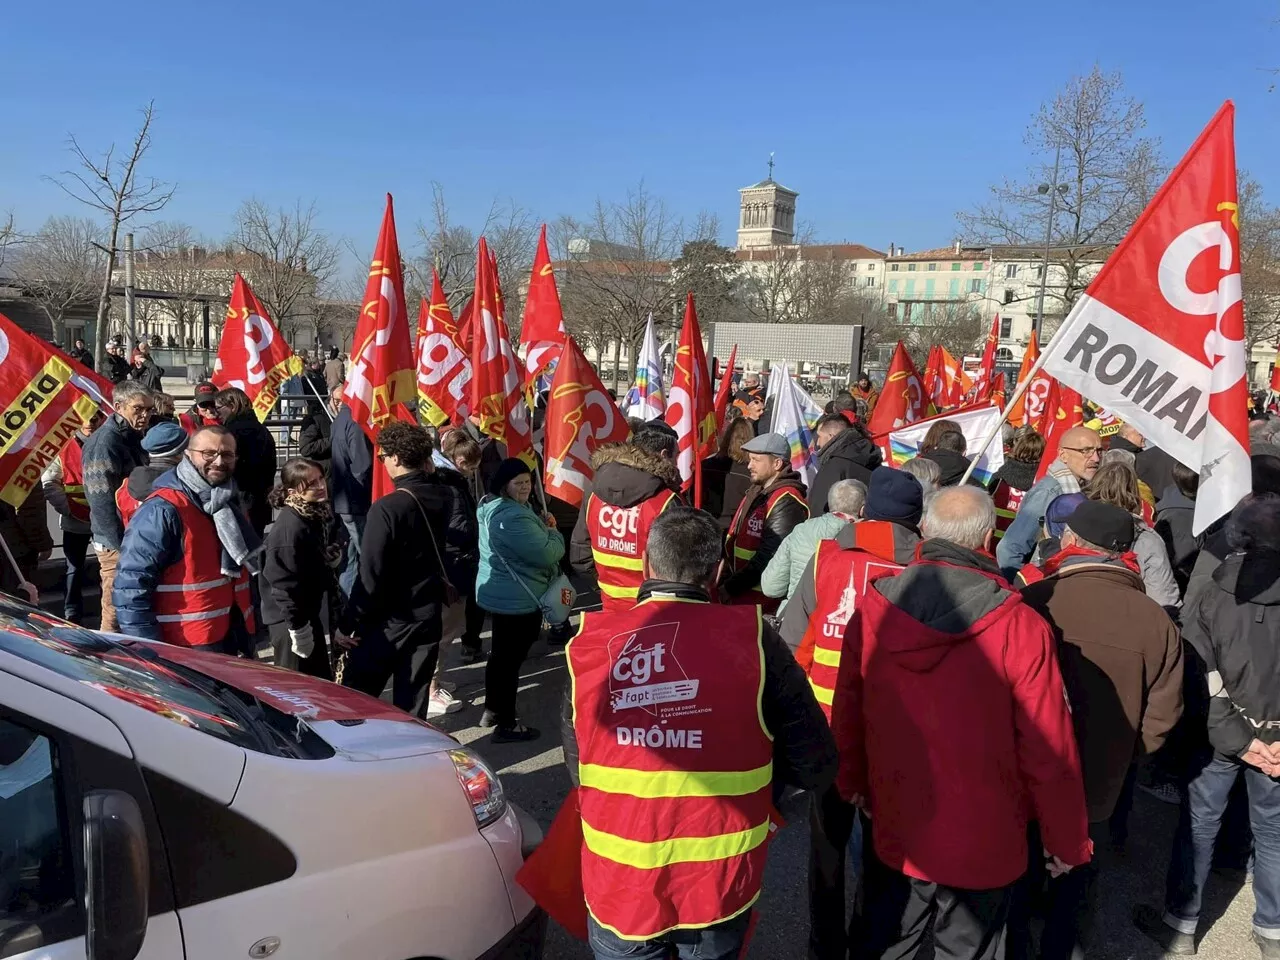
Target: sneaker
(488, 719)
(520, 733)
(442, 702)
(1151, 922)
(1163, 791)
(1270, 948)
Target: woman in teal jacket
(519, 557)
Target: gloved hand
(302, 640)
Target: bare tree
(957, 325)
(287, 259)
(1259, 263)
(112, 186)
(1109, 168)
(172, 257)
(58, 268)
(8, 238)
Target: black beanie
(508, 470)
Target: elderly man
(109, 456)
(934, 692)
(773, 506)
(782, 575)
(188, 554)
(1079, 456)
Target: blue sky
(886, 117)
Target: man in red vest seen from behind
(633, 483)
(188, 554)
(954, 730)
(773, 506)
(682, 718)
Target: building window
(893, 311)
(1040, 272)
(1011, 271)
(870, 267)
(893, 267)
(893, 286)
(933, 266)
(870, 282)
(1006, 327)
(955, 266)
(975, 286)
(928, 288)
(911, 268)
(911, 286)
(955, 288)
(977, 266)
(1008, 296)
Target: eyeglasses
(209, 456)
(1087, 451)
(382, 456)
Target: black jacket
(1019, 474)
(142, 480)
(351, 466)
(315, 441)
(1235, 630)
(724, 483)
(849, 456)
(952, 464)
(400, 577)
(255, 472)
(109, 455)
(1174, 513)
(804, 752)
(149, 375)
(1154, 466)
(466, 563)
(492, 453)
(624, 476)
(296, 577)
(116, 369)
(782, 519)
(82, 357)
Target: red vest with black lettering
(840, 578)
(618, 538)
(194, 598)
(745, 535)
(72, 462)
(1007, 500)
(674, 762)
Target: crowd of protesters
(970, 682)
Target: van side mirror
(117, 875)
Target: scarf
(308, 509)
(1069, 556)
(241, 547)
(1066, 479)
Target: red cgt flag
(495, 383)
(542, 333)
(903, 398)
(932, 378)
(1029, 410)
(580, 417)
(956, 384)
(44, 402)
(1063, 410)
(987, 369)
(444, 361)
(725, 388)
(381, 379)
(999, 392)
(1275, 372)
(1158, 338)
(691, 408)
(252, 355)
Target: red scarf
(1054, 563)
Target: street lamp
(1053, 191)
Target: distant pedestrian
(334, 370)
(81, 355)
(866, 391)
(145, 371)
(115, 366)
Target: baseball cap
(1103, 524)
(774, 444)
(205, 391)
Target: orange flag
(902, 399)
(580, 417)
(933, 385)
(998, 390)
(956, 384)
(381, 379)
(726, 386)
(987, 369)
(1064, 410)
(691, 410)
(542, 333)
(495, 380)
(444, 361)
(252, 355)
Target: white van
(165, 804)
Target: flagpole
(697, 481)
(324, 403)
(1017, 395)
(12, 562)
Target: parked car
(165, 804)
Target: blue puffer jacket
(530, 548)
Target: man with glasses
(1079, 456)
(108, 457)
(188, 555)
(202, 412)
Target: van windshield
(135, 673)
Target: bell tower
(767, 214)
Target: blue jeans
(1198, 824)
(75, 546)
(721, 942)
(355, 530)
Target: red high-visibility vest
(744, 541)
(126, 503)
(1007, 500)
(618, 538)
(675, 764)
(840, 578)
(194, 598)
(72, 462)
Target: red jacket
(952, 723)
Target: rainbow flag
(644, 399)
(974, 422)
(794, 415)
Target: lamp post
(1053, 190)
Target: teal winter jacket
(532, 551)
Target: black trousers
(966, 924)
(513, 635)
(1067, 904)
(315, 665)
(474, 624)
(830, 826)
(75, 546)
(404, 654)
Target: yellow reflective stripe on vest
(617, 562)
(652, 784)
(822, 694)
(741, 553)
(828, 658)
(618, 593)
(663, 853)
(1001, 512)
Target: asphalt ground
(534, 777)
